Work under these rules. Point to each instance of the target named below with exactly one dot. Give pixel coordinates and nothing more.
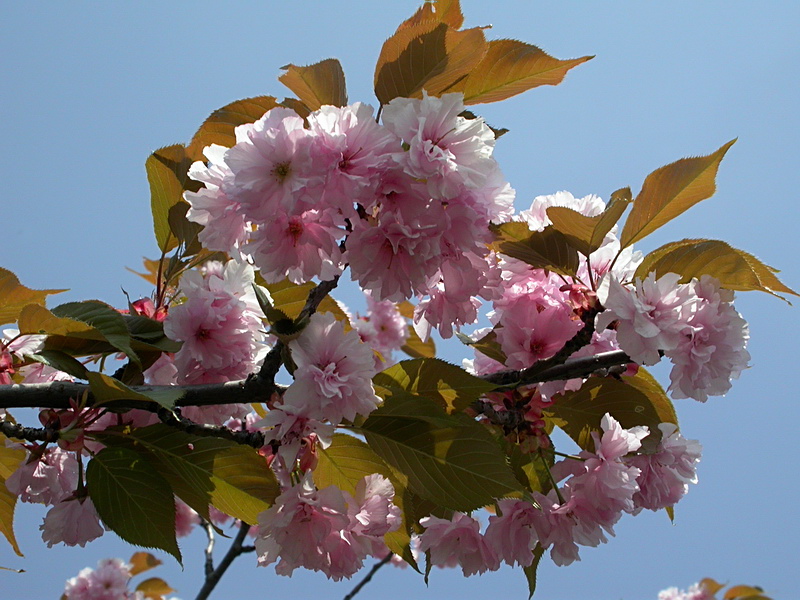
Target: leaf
(548, 249)
(36, 319)
(449, 386)
(203, 471)
(154, 588)
(184, 230)
(743, 592)
(105, 319)
(290, 298)
(530, 571)
(735, 269)
(62, 361)
(318, 84)
(151, 268)
(444, 11)
(586, 234)
(454, 462)
(487, 345)
(168, 174)
(10, 458)
(428, 55)
(511, 67)
(141, 562)
(219, 127)
(669, 191)
(107, 389)
(8, 502)
(133, 499)
(416, 348)
(637, 400)
(528, 469)
(14, 296)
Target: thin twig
(209, 567)
(368, 576)
(233, 552)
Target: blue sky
(89, 92)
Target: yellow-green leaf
(7, 503)
(416, 348)
(107, 389)
(36, 319)
(429, 55)
(511, 67)
(711, 585)
(219, 127)
(14, 296)
(290, 298)
(168, 175)
(548, 249)
(141, 562)
(583, 233)
(318, 84)
(10, 458)
(669, 191)
(735, 269)
(154, 588)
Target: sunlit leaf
(154, 588)
(8, 502)
(669, 191)
(429, 55)
(583, 233)
(10, 458)
(141, 562)
(548, 249)
(735, 269)
(637, 400)
(530, 571)
(416, 348)
(451, 387)
(290, 298)
(151, 270)
(711, 585)
(511, 67)
(14, 296)
(743, 592)
(107, 389)
(168, 175)
(445, 11)
(232, 477)
(61, 361)
(133, 499)
(219, 127)
(454, 462)
(102, 317)
(487, 345)
(318, 84)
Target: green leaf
(529, 469)
(451, 387)
(318, 84)
(427, 55)
(14, 296)
(637, 400)
(61, 361)
(669, 191)
(107, 389)
(133, 499)
(735, 269)
(511, 67)
(583, 233)
(168, 174)
(219, 127)
(416, 348)
(203, 471)
(454, 462)
(184, 230)
(530, 572)
(487, 345)
(105, 319)
(548, 249)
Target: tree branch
(368, 577)
(234, 551)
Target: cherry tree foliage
(243, 394)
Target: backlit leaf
(290, 298)
(444, 11)
(151, 270)
(454, 462)
(735, 269)
(133, 499)
(416, 348)
(548, 249)
(669, 191)
(102, 317)
(219, 127)
(637, 400)
(583, 233)
(487, 345)
(743, 592)
(429, 55)
(14, 296)
(141, 562)
(511, 67)
(168, 174)
(61, 361)
(107, 389)
(449, 386)
(8, 502)
(154, 588)
(183, 229)
(10, 458)
(318, 84)
(232, 477)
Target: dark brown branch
(31, 434)
(368, 577)
(256, 439)
(234, 551)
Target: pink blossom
(666, 474)
(73, 522)
(536, 216)
(457, 542)
(47, 479)
(383, 329)
(696, 591)
(512, 534)
(290, 426)
(333, 380)
(185, 518)
(649, 318)
(372, 512)
(711, 350)
(108, 582)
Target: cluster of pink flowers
(109, 581)
(602, 485)
(383, 329)
(327, 530)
